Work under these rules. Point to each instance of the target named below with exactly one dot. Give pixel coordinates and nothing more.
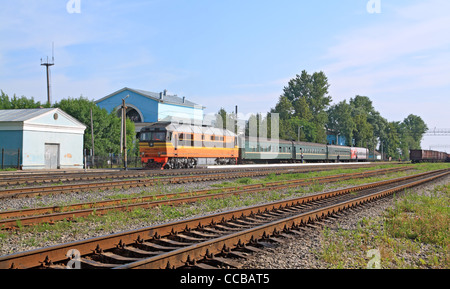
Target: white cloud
(248, 103)
(404, 57)
(275, 83)
(401, 63)
(84, 61)
(413, 30)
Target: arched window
(132, 113)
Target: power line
(438, 132)
(439, 147)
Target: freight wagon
(419, 156)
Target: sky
(228, 53)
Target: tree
(363, 132)
(304, 103)
(19, 102)
(340, 120)
(412, 129)
(371, 126)
(313, 88)
(358, 121)
(284, 108)
(302, 110)
(107, 126)
(226, 120)
(391, 144)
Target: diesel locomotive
(169, 145)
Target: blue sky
(227, 53)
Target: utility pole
(124, 129)
(92, 136)
(47, 65)
(236, 120)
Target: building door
(52, 156)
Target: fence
(10, 159)
(112, 161)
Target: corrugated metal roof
(20, 115)
(170, 99)
(166, 98)
(187, 128)
(25, 115)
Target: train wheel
(192, 163)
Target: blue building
(144, 107)
(45, 138)
(336, 139)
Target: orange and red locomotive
(169, 145)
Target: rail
(197, 242)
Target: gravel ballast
(303, 252)
(300, 252)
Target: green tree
(412, 129)
(107, 126)
(364, 131)
(302, 110)
(304, 103)
(284, 108)
(391, 144)
(226, 120)
(370, 126)
(19, 102)
(410, 133)
(340, 120)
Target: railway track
(25, 217)
(209, 241)
(26, 178)
(25, 192)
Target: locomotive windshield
(153, 136)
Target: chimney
(184, 99)
(161, 96)
(165, 92)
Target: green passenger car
(265, 150)
(341, 152)
(259, 150)
(312, 152)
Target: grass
(118, 221)
(423, 218)
(413, 234)
(308, 175)
(8, 170)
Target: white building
(45, 138)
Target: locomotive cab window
(153, 136)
